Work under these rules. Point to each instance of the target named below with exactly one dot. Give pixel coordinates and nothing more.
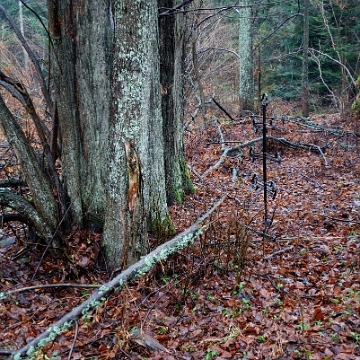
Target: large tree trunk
(107, 88)
(83, 57)
(136, 196)
(172, 56)
(246, 72)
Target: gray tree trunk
(83, 60)
(172, 56)
(107, 85)
(21, 25)
(246, 71)
(45, 217)
(136, 196)
(305, 64)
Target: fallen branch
(278, 252)
(224, 110)
(97, 298)
(283, 141)
(228, 151)
(220, 161)
(4, 295)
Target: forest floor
(292, 292)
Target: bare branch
(33, 58)
(337, 62)
(175, 8)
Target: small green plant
(297, 352)
(355, 336)
(319, 323)
(302, 251)
(278, 302)
(351, 292)
(86, 319)
(303, 326)
(261, 338)
(338, 248)
(335, 337)
(162, 331)
(188, 348)
(265, 310)
(210, 354)
(241, 286)
(246, 302)
(195, 296)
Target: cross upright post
(264, 103)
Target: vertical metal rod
(264, 102)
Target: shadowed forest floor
(235, 294)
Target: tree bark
(38, 183)
(106, 72)
(84, 55)
(246, 72)
(305, 64)
(172, 57)
(136, 196)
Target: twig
(321, 152)
(194, 171)
(229, 150)
(74, 341)
(222, 109)
(278, 252)
(175, 8)
(56, 233)
(342, 220)
(4, 295)
(220, 161)
(267, 276)
(32, 56)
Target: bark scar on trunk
(133, 167)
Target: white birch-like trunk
(246, 70)
(21, 25)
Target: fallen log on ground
(283, 141)
(230, 151)
(97, 298)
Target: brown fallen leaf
(146, 340)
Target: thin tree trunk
(305, 65)
(172, 43)
(246, 72)
(21, 22)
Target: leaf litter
(235, 293)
